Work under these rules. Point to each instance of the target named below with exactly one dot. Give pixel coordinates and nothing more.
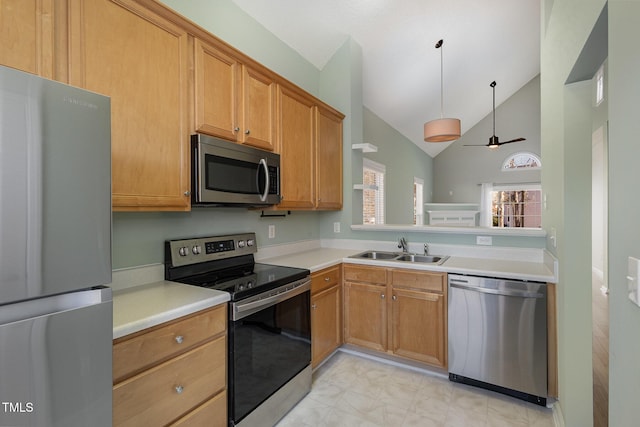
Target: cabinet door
(328, 159)
(26, 35)
(418, 325)
(139, 59)
(216, 91)
(258, 109)
(325, 324)
(296, 143)
(365, 315)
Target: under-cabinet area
(174, 373)
(397, 311)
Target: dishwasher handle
(454, 283)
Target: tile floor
(349, 390)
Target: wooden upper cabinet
(296, 146)
(328, 159)
(140, 59)
(216, 91)
(258, 109)
(26, 35)
(233, 101)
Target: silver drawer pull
(179, 339)
(382, 296)
(326, 279)
(179, 389)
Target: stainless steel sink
(420, 258)
(403, 257)
(376, 255)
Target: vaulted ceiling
(483, 41)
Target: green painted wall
(567, 120)
(458, 170)
(403, 161)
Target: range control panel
(202, 249)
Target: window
(373, 192)
(600, 85)
(521, 161)
(418, 205)
(517, 205)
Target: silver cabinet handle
(179, 389)
(247, 132)
(236, 129)
(179, 339)
(313, 306)
(382, 296)
(187, 193)
(326, 279)
(394, 297)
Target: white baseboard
(558, 419)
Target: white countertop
(141, 307)
(314, 260)
(317, 259)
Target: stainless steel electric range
(269, 326)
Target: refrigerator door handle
(23, 310)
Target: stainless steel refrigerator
(55, 254)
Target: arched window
(522, 161)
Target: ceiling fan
(494, 142)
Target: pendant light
(442, 129)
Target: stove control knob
(196, 250)
(183, 251)
(249, 285)
(251, 242)
(241, 287)
(241, 243)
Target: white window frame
(378, 189)
(600, 85)
(418, 201)
(488, 189)
(507, 162)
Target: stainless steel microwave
(227, 174)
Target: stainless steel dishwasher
(498, 335)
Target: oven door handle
(240, 310)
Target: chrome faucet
(402, 243)
(426, 249)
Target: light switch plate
(336, 227)
(633, 273)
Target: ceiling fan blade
(513, 140)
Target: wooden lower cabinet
(326, 313)
(401, 312)
(187, 388)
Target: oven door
(225, 173)
(269, 344)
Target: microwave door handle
(264, 195)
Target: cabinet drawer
(212, 413)
(132, 355)
(324, 279)
(365, 274)
(152, 397)
(435, 282)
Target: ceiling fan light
(442, 130)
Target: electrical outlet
(272, 231)
(484, 240)
(336, 227)
(553, 237)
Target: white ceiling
(484, 40)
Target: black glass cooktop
(247, 280)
